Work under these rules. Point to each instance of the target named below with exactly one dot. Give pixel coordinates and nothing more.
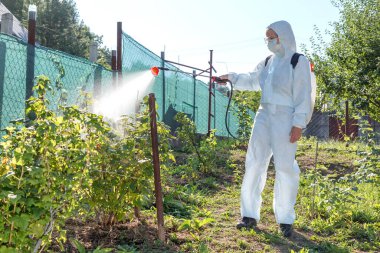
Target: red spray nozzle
(218, 79)
(155, 71)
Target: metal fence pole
(156, 165)
(98, 70)
(315, 179)
(98, 82)
(214, 113)
(114, 68)
(3, 50)
(346, 129)
(194, 94)
(209, 97)
(163, 87)
(32, 25)
(119, 51)
(30, 58)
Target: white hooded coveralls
(285, 102)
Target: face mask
(273, 46)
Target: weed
(195, 225)
(242, 244)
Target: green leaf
(36, 229)
(100, 250)
(186, 225)
(172, 157)
(79, 246)
(21, 221)
(59, 120)
(5, 249)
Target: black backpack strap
(267, 59)
(294, 59)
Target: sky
(188, 30)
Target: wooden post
(156, 166)
(7, 23)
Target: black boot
(247, 223)
(286, 229)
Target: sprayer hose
(228, 108)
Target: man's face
(270, 34)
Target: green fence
(20, 63)
(182, 92)
(12, 79)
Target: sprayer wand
(156, 70)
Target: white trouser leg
(287, 170)
(256, 165)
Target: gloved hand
(221, 78)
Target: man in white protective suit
(285, 109)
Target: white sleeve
(247, 81)
(301, 92)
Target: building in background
(18, 30)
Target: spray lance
(155, 71)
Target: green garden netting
(20, 63)
(77, 75)
(183, 93)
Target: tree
(348, 68)
(15, 6)
(58, 26)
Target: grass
(201, 211)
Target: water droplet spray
(124, 99)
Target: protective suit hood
(286, 35)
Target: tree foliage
(348, 67)
(59, 27)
